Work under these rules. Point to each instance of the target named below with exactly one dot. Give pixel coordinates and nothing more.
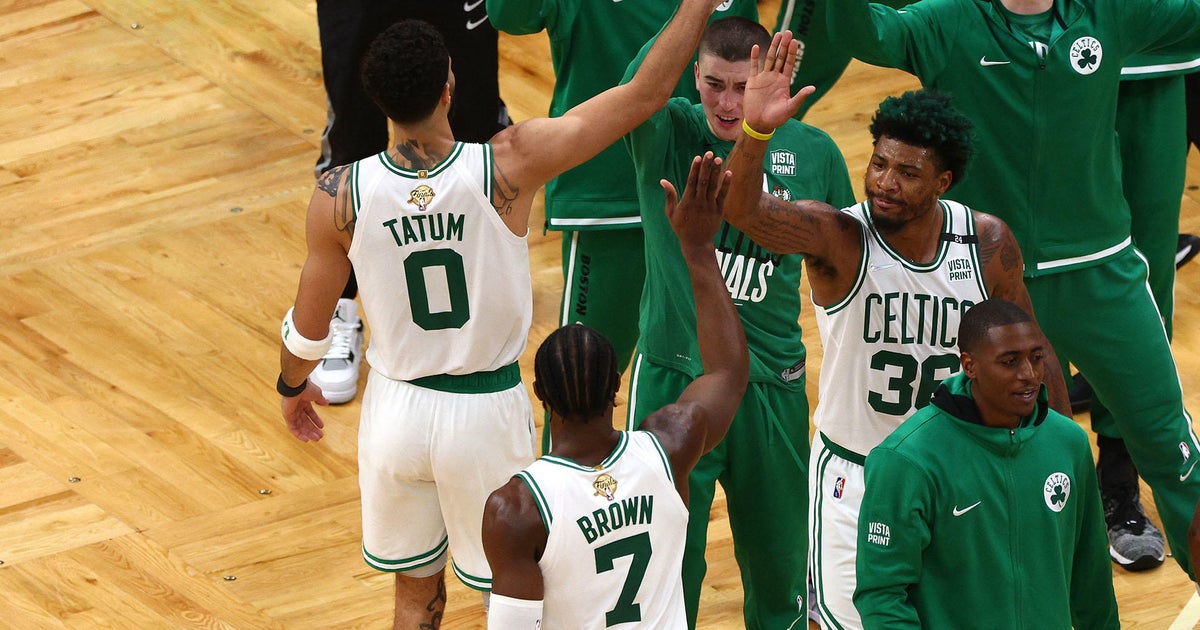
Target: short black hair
(732, 38)
(575, 371)
(984, 316)
(926, 119)
(405, 69)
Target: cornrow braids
(575, 369)
(925, 118)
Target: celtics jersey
(892, 339)
(444, 283)
(614, 538)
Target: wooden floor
(155, 161)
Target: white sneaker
(337, 373)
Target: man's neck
(585, 443)
(421, 145)
(1027, 7)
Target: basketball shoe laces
(343, 340)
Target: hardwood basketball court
(155, 162)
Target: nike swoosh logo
(958, 512)
(1187, 474)
(470, 6)
(474, 24)
(878, 267)
(983, 61)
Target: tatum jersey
(893, 338)
(614, 538)
(445, 284)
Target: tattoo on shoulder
(331, 180)
(1000, 256)
(343, 214)
(996, 241)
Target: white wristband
(300, 345)
(507, 613)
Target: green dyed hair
(926, 119)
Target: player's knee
(428, 570)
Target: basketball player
(890, 279)
(1051, 169)
(591, 535)
(356, 128)
(762, 463)
(435, 230)
(982, 509)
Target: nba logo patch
(838, 487)
(1183, 449)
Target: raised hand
(768, 102)
(697, 215)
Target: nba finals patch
(421, 196)
(605, 485)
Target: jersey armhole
(488, 171)
(538, 498)
(355, 193)
(662, 453)
(864, 237)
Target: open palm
(768, 101)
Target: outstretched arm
(533, 152)
(1003, 269)
(830, 239)
(699, 419)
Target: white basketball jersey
(614, 545)
(893, 339)
(445, 285)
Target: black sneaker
(1080, 394)
(1189, 246)
(1133, 541)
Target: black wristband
(288, 391)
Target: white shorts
(427, 461)
(835, 494)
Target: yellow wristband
(754, 134)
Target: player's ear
(945, 179)
(537, 391)
(968, 364)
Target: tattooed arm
(531, 153)
(830, 240)
(1003, 272)
(329, 227)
